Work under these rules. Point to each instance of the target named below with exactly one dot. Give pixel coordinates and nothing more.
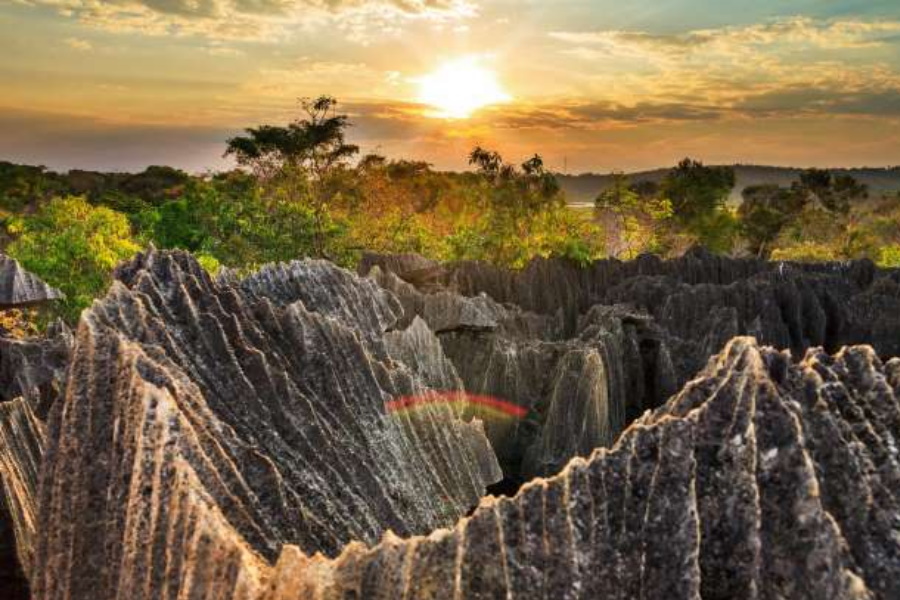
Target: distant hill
(582, 189)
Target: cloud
(260, 20)
(78, 44)
(784, 67)
(307, 77)
(793, 31)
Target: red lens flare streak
(459, 398)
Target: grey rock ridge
(761, 479)
(200, 414)
(304, 432)
(19, 288)
(588, 349)
(21, 452)
(35, 367)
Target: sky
(591, 85)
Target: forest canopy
(301, 189)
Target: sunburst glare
(460, 87)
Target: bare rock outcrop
(575, 394)
(21, 451)
(307, 433)
(585, 350)
(207, 424)
(35, 367)
(761, 479)
(20, 289)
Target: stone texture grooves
(761, 479)
(792, 305)
(206, 424)
(21, 449)
(19, 288)
(587, 350)
(579, 392)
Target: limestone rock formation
(586, 350)
(35, 367)
(761, 479)
(307, 433)
(19, 288)
(207, 424)
(21, 450)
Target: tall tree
(313, 147)
(766, 210)
(696, 190)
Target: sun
(460, 87)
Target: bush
(73, 246)
(890, 257)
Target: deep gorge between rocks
(701, 427)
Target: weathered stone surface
(207, 424)
(19, 288)
(761, 479)
(21, 449)
(35, 368)
(528, 336)
(295, 434)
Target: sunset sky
(591, 84)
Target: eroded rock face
(19, 288)
(35, 368)
(206, 424)
(21, 451)
(761, 479)
(586, 350)
(296, 434)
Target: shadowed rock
(589, 348)
(35, 368)
(21, 449)
(207, 422)
(19, 288)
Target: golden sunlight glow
(459, 88)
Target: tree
(765, 211)
(697, 190)
(633, 223)
(312, 148)
(522, 214)
(698, 194)
(73, 246)
(835, 193)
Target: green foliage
(311, 152)
(74, 247)
(300, 196)
(889, 257)
(835, 193)
(634, 223)
(698, 194)
(240, 224)
(521, 214)
(22, 185)
(806, 251)
(696, 191)
(766, 210)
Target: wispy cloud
(793, 31)
(259, 20)
(788, 66)
(78, 44)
